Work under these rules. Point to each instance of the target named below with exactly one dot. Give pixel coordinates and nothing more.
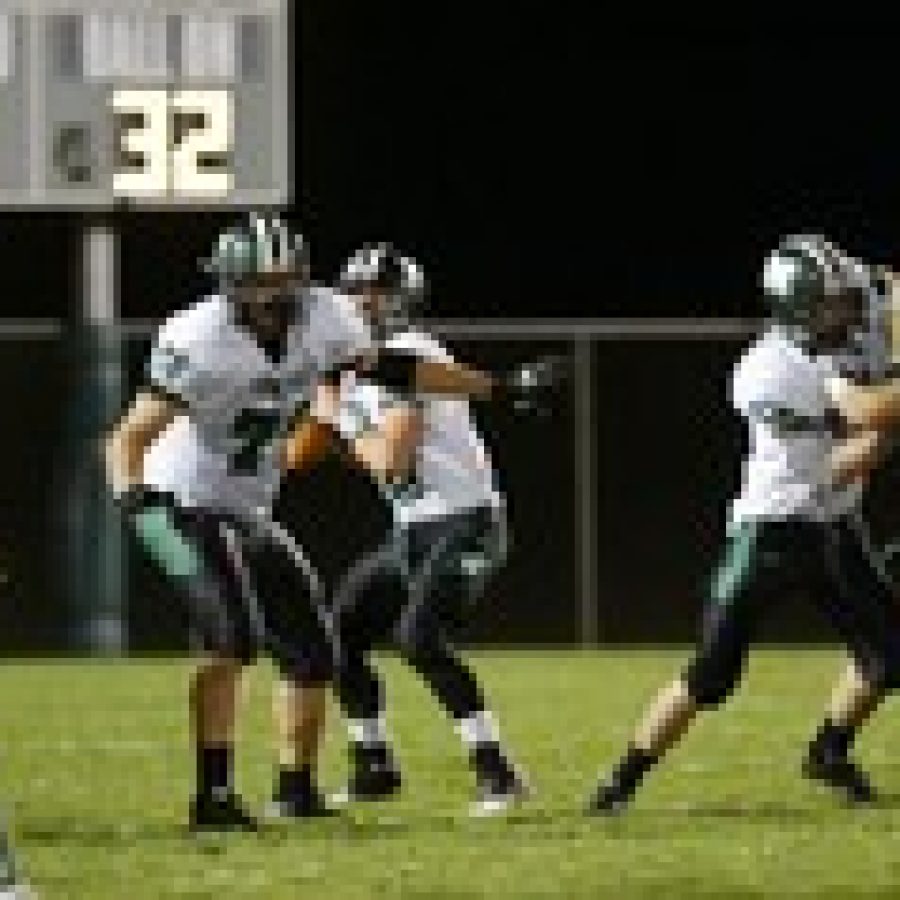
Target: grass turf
(97, 769)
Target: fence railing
(580, 335)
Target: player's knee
(711, 685)
(883, 673)
(226, 643)
(418, 648)
(312, 664)
(224, 663)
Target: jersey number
(253, 430)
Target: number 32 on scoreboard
(172, 142)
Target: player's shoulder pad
(195, 324)
(764, 367)
(330, 299)
(419, 343)
(331, 310)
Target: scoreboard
(144, 103)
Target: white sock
(368, 732)
(478, 730)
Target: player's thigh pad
(758, 564)
(371, 595)
(198, 553)
(285, 603)
(862, 603)
(451, 561)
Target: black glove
(138, 498)
(534, 386)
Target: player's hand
(535, 386)
(136, 498)
(326, 406)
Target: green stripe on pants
(166, 544)
(738, 562)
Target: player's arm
(149, 414)
(410, 372)
(869, 407)
(527, 387)
(855, 458)
(403, 370)
(868, 414)
(389, 452)
(455, 378)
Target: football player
(449, 534)
(197, 460)
(813, 440)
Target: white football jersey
(221, 452)
(453, 470)
(782, 392)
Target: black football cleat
(375, 777)
(500, 786)
(223, 812)
(309, 806)
(609, 799)
(842, 775)
(497, 797)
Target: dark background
(540, 164)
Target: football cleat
(375, 777)
(311, 806)
(500, 786)
(841, 774)
(608, 800)
(496, 799)
(223, 812)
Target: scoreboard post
(110, 106)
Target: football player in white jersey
(197, 461)
(449, 534)
(812, 443)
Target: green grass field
(97, 770)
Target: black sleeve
(395, 370)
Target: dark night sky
(548, 166)
(543, 168)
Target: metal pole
(585, 451)
(103, 608)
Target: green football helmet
(261, 244)
(804, 270)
